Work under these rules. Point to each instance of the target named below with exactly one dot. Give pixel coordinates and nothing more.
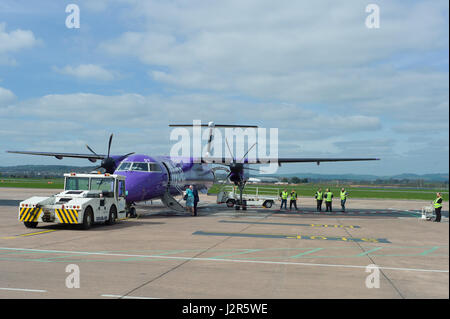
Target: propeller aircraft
(163, 177)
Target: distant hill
(44, 170)
(355, 177)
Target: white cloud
(88, 72)
(14, 41)
(6, 97)
(312, 69)
(83, 115)
(298, 52)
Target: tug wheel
(30, 224)
(88, 218)
(112, 215)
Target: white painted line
(20, 289)
(87, 253)
(126, 297)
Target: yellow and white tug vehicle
(86, 199)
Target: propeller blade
(223, 164)
(229, 149)
(247, 152)
(91, 150)
(122, 157)
(109, 144)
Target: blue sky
(333, 87)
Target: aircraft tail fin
(211, 126)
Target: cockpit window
(124, 166)
(154, 167)
(143, 167)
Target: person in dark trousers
(344, 195)
(293, 200)
(284, 196)
(196, 199)
(319, 198)
(328, 200)
(437, 207)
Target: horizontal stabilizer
(214, 125)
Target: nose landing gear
(241, 202)
(131, 211)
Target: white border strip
(126, 297)
(20, 289)
(216, 259)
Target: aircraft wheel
(30, 224)
(237, 207)
(267, 204)
(230, 203)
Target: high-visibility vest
(436, 204)
(284, 195)
(328, 196)
(343, 195)
(293, 196)
(319, 195)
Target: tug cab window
(77, 183)
(106, 185)
(121, 188)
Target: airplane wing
(90, 157)
(280, 160)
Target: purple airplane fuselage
(149, 177)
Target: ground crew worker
(196, 199)
(319, 199)
(344, 195)
(437, 207)
(328, 199)
(293, 200)
(284, 196)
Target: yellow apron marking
(30, 234)
(37, 233)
